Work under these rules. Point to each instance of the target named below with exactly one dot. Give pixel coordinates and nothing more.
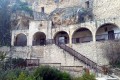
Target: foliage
(15, 63)
(30, 77)
(116, 64)
(41, 73)
(15, 74)
(65, 76)
(48, 73)
(22, 76)
(2, 58)
(4, 22)
(22, 6)
(6, 11)
(11, 75)
(86, 76)
(114, 59)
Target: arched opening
(39, 38)
(20, 40)
(61, 37)
(82, 35)
(107, 32)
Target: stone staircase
(89, 63)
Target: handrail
(115, 36)
(76, 54)
(81, 57)
(82, 39)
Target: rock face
(59, 12)
(106, 9)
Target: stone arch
(61, 37)
(20, 40)
(39, 38)
(82, 35)
(107, 31)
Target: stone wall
(54, 54)
(98, 51)
(50, 5)
(106, 8)
(46, 54)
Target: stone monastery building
(68, 32)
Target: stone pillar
(94, 36)
(70, 40)
(70, 37)
(30, 40)
(13, 39)
(27, 35)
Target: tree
(22, 76)
(6, 10)
(4, 22)
(22, 6)
(2, 58)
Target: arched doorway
(39, 38)
(107, 32)
(61, 37)
(82, 35)
(20, 40)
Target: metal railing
(35, 43)
(20, 43)
(82, 39)
(27, 63)
(52, 41)
(104, 37)
(32, 62)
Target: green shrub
(25, 76)
(15, 63)
(86, 76)
(41, 73)
(30, 78)
(48, 73)
(3, 75)
(65, 76)
(22, 76)
(11, 76)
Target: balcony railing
(41, 43)
(20, 43)
(104, 37)
(62, 41)
(82, 39)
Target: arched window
(20, 40)
(82, 35)
(107, 32)
(39, 38)
(61, 37)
